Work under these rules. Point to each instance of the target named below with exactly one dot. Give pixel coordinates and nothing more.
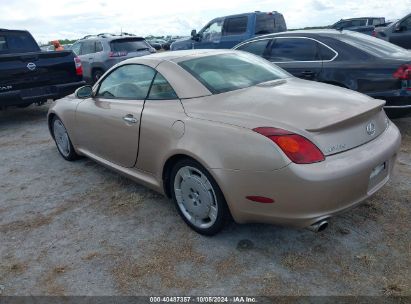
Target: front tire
(62, 139)
(198, 198)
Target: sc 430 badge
(5, 88)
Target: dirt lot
(79, 229)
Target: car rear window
(373, 46)
(17, 42)
(265, 24)
(129, 45)
(228, 72)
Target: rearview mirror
(84, 92)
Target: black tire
(97, 73)
(69, 154)
(223, 213)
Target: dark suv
(99, 53)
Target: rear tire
(198, 198)
(62, 140)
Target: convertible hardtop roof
(177, 56)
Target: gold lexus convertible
(227, 134)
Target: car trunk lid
(335, 119)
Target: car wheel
(198, 198)
(62, 139)
(97, 75)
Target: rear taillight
(403, 72)
(374, 33)
(298, 148)
(117, 54)
(79, 67)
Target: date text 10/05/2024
(176, 299)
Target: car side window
(88, 47)
(235, 26)
(130, 81)
(294, 49)
(76, 48)
(325, 52)
(161, 89)
(406, 24)
(256, 47)
(99, 47)
(212, 32)
(358, 22)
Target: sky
(48, 20)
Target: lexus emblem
(31, 66)
(370, 128)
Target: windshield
(229, 72)
(372, 45)
(129, 45)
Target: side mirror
(84, 92)
(398, 27)
(195, 36)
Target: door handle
(308, 74)
(130, 118)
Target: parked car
(398, 32)
(227, 132)
(226, 32)
(47, 48)
(155, 44)
(365, 25)
(99, 53)
(67, 46)
(29, 75)
(347, 59)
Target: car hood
(306, 107)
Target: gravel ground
(76, 228)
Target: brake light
(297, 148)
(374, 33)
(117, 54)
(403, 72)
(79, 67)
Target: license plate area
(377, 170)
(377, 175)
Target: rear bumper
(38, 94)
(396, 99)
(305, 194)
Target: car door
(109, 123)
(401, 34)
(210, 36)
(298, 55)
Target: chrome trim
(398, 107)
(298, 37)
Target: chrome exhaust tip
(319, 226)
